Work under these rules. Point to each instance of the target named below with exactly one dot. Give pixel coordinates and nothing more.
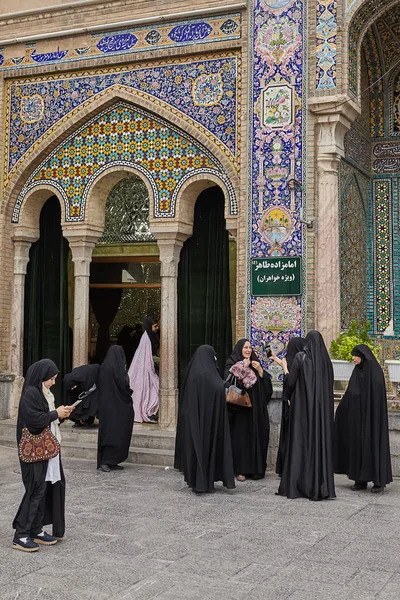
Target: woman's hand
(246, 362)
(64, 411)
(256, 365)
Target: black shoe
(153, 419)
(44, 539)
(116, 467)
(359, 486)
(105, 468)
(28, 546)
(377, 489)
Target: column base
(168, 408)
(7, 385)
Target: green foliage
(357, 334)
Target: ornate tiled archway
(124, 136)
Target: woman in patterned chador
(249, 426)
(362, 449)
(44, 499)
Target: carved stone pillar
(333, 117)
(170, 243)
(22, 245)
(81, 240)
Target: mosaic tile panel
(277, 160)
(358, 149)
(383, 242)
(394, 105)
(386, 157)
(374, 68)
(124, 136)
(358, 24)
(326, 44)
(152, 37)
(353, 250)
(205, 92)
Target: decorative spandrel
(127, 213)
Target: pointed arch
(72, 122)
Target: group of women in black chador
(217, 441)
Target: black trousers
(28, 521)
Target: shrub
(357, 334)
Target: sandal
(241, 478)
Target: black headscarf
(308, 468)
(237, 353)
(148, 323)
(361, 424)
(203, 448)
(40, 371)
(33, 410)
(295, 345)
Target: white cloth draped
(144, 382)
(53, 473)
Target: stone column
(22, 245)
(81, 240)
(170, 243)
(333, 117)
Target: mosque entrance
(47, 330)
(206, 282)
(125, 283)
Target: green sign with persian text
(276, 276)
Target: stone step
(150, 445)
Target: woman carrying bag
(249, 424)
(44, 499)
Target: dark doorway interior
(46, 329)
(204, 308)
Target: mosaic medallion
(32, 108)
(207, 89)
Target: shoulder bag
(235, 395)
(34, 448)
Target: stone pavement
(140, 534)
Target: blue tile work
(127, 137)
(277, 159)
(326, 44)
(206, 92)
(139, 39)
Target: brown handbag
(34, 448)
(236, 396)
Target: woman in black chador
(361, 425)
(308, 467)
(83, 383)
(203, 443)
(249, 426)
(295, 345)
(44, 499)
(115, 411)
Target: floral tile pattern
(326, 44)
(124, 136)
(277, 147)
(205, 92)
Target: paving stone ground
(140, 534)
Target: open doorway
(125, 283)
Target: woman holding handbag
(42, 474)
(249, 424)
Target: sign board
(276, 276)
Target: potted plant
(342, 347)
